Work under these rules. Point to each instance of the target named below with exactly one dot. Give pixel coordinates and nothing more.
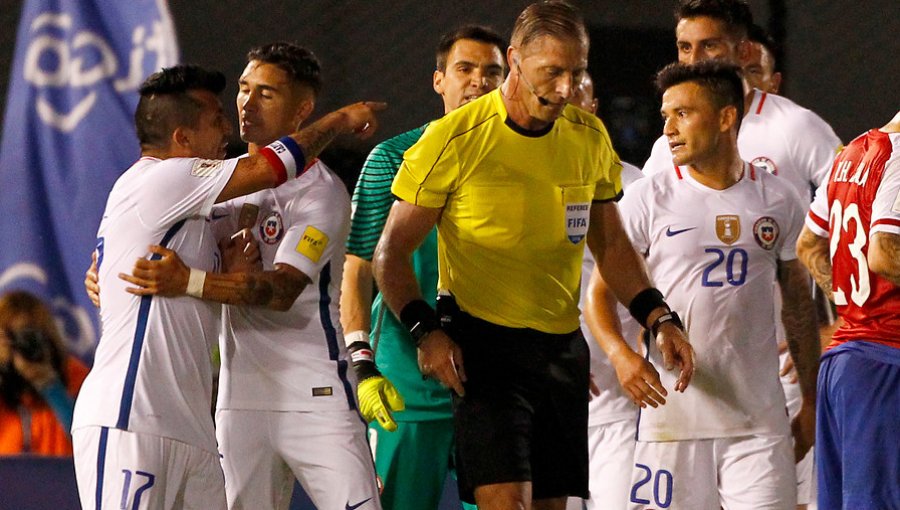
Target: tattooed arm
(799, 318)
(884, 256)
(254, 173)
(169, 276)
(814, 253)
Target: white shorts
(611, 452)
(806, 475)
(735, 473)
(121, 469)
(327, 452)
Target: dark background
(840, 58)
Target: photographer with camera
(38, 379)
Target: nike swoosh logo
(354, 507)
(670, 232)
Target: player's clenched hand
(240, 253)
(638, 378)
(92, 281)
(165, 276)
(788, 367)
(676, 351)
(377, 399)
(360, 117)
(593, 389)
(441, 358)
(803, 428)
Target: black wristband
(420, 319)
(666, 317)
(363, 360)
(645, 302)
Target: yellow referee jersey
(516, 208)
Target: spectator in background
(38, 379)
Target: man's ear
(181, 137)
(776, 82)
(303, 111)
(728, 117)
(437, 82)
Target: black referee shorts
(524, 416)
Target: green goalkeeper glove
(377, 395)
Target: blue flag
(67, 136)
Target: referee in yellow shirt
(516, 182)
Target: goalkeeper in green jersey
(411, 428)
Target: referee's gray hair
(556, 18)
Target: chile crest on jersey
(271, 228)
(765, 231)
(766, 164)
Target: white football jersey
(152, 371)
(293, 360)
(817, 219)
(778, 135)
(714, 255)
(612, 404)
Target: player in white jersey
(720, 234)
(286, 405)
(611, 414)
(776, 134)
(761, 72)
(142, 433)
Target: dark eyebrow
(262, 86)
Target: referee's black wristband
(420, 319)
(645, 302)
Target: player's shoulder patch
(312, 243)
(206, 167)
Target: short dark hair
(165, 104)
(759, 35)
(298, 62)
(556, 18)
(722, 80)
(735, 14)
(478, 33)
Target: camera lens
(32, 344)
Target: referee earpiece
(541, 99)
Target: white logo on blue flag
(67, 136)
